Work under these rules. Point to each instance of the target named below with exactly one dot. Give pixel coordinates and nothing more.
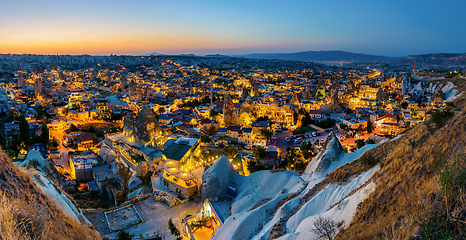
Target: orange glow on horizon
(132, 43)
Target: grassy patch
(27, 213)
(90, 200)
(406, 184)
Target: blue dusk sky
(391, 28)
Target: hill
(411, 187)
(420, 187)
(27, 213)
(322, 56)
(436, 59)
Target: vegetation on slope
(27, 213)
(409, 198)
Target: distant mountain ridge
(436, 59)
(323, 56)
(336, 56)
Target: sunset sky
(391, 28)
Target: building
(180, 149)
(192, 225)
(10, 132)
(182, 183)
(102, 175)
(81, 166)
(315, 113)
(103, 110)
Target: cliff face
(329, 154)
(27, 213)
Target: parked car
(249, 147)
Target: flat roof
(176, 151)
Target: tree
(205, 139)
(305, 149)
(441, 117)
(73, 127)
(369, 126)
(211, 130)
(161, 110)
(23, 129)
(306, 120)
(44, 137)
(54, 142)
(74, 106)
(266, 133)
(213, 113)
(263, 118)
(91, 129)
(360, 143)
(230, 152)
(258, 151)
(175, 232)
(122, 235)
(95, 140)
(326, 228)
(404, 105)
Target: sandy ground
(156, 215)
(98, 220)
(123, 218)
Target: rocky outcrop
(216, 179)
(329, 154)
(146, 124)
(381, 96)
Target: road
(282, 144)
(63, 161)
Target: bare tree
(326, 228)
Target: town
(129, 140)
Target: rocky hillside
(285, 204)
(420, 187)
(436, 59)
(411, 186)
(27, 213)
(323, 56)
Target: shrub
(441, 117)
(326, 228)
(171, 226)
(122, 235)
(205, 139)
(360, 143)
(367, 160)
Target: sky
(101, 27)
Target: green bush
(360, 143)
(441, 117)
(368, 160)
(122, 235)
(174, 231)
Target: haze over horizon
(395, 28)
